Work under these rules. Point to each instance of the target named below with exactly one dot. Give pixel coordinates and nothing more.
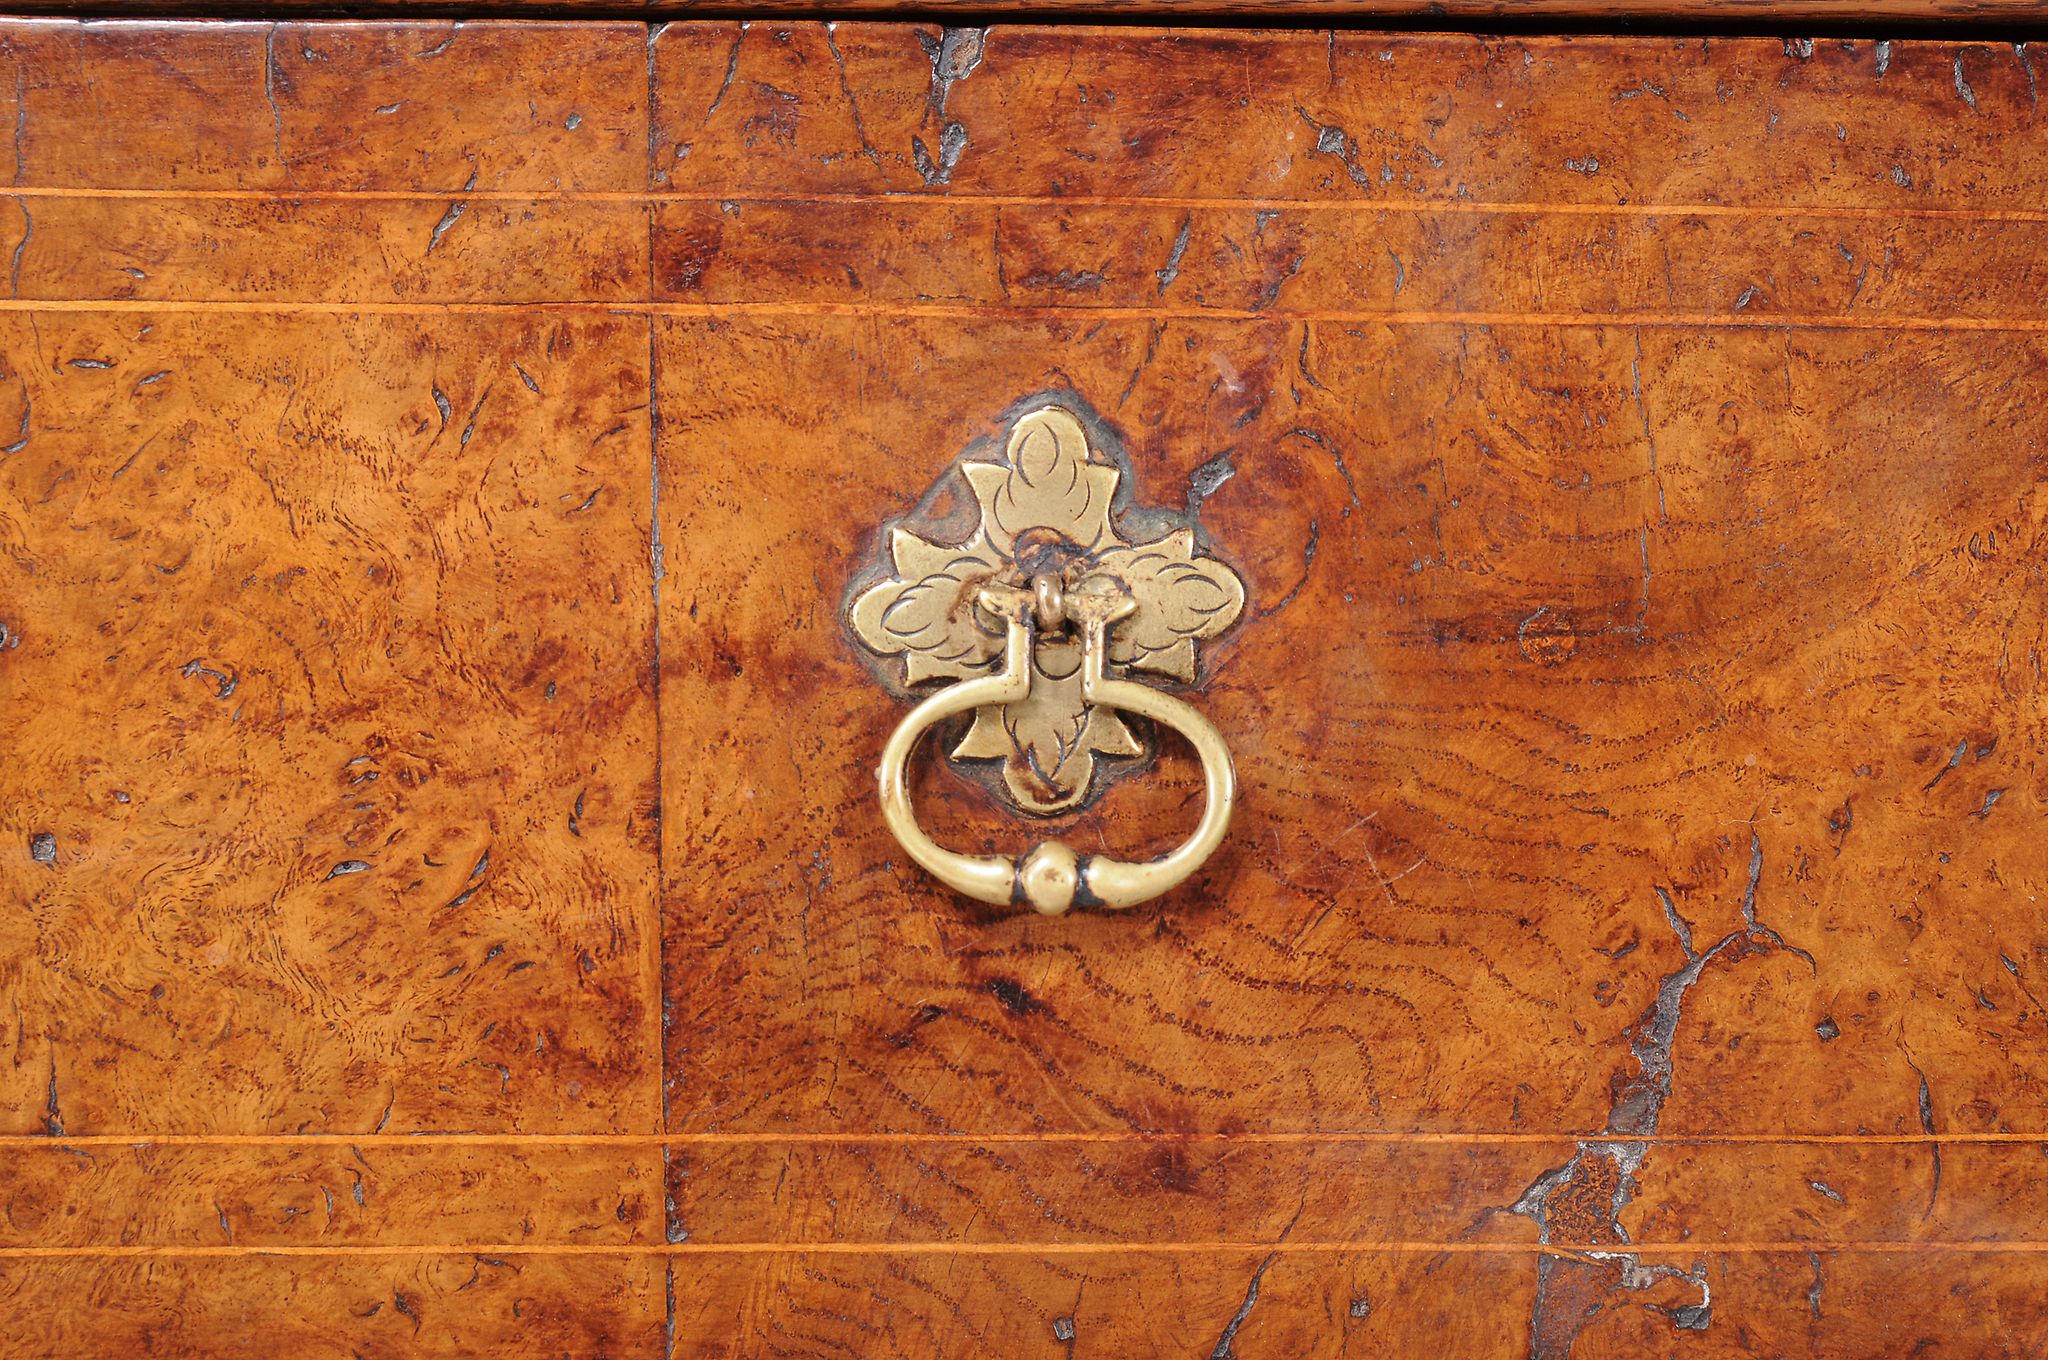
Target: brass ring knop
(1052, 876)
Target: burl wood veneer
(1927, 16)
(443, 908)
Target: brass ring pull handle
(1052, 876)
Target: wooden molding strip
(1725, 16)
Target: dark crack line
(1308, 562)
(1927, 1127)
(1634, 1114)
(1244, 1310)
(452, 216)
(1251, 1293)
(1955, 759)
(1756, 871)
(1151, 349)
(1322, 441)
(732, 69)
(1204, 481)
(1301, 365)
(1635, 369)
(270, 74)
(448, 219)
(1171, 272)
(853, 105)
(28, 229)
(53, 1115)
(1679, 926)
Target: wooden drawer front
(446, 910)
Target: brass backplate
(1048, 506)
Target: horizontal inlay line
(856, 1139)
(728, 310)
(1415, 207)
(1587, 1251)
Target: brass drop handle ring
(1052, 876)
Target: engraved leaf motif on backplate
(1045, 509)
(1182, 598)
(927, 611)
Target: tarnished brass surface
(1052, 877)
(1047, 525)
(1048, 584)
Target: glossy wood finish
(446, 912)
(1595, 14)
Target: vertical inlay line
(657, 568)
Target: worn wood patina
(443, 904)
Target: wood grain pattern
(1168, 1192)
(329, 720)
(1622, 590)
(1348, 118)
(1752, 14)
(1268, 1303)
(1358, 260)
(446, 910)
(419, 250)
(256, 545)
(260, 1195)
(1464, 551)
(415, 1304)
(296, 107)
